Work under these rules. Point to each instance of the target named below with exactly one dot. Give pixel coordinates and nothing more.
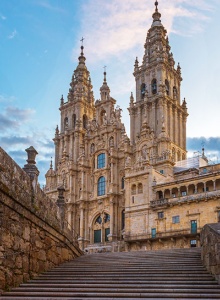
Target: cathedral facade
(140, 192)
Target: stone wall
(210, 242)
(32, 237)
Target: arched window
(143, 90)
(74, 120)
(140, 188)
(66, 123)
(98, 220)
(167, 86)
(101, 161)
(85, 121)
(101, 186)
(133, 189)
(154, 86)
(106, 218)
(122, 183)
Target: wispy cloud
(115, 27)
(2, 17)
(48, 6)
(12, 35)
(211, 146)
(12, 118)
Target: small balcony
(159, 236)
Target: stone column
(112, 235)
(153, 117)
(81, 227)
(61, 206)
(181, 130)
(30, 167)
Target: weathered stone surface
(31, 239)
(210, 242)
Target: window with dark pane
(107, 232)
(101, 186)
(101, 161)
(97, 236)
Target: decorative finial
(156, 4)
(104, 73)
(61, 100)
(82, 41)
(51, 164)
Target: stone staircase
(167, 274)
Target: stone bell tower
(158, 109)
(75, 114)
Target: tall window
(74, 120)
(122, 183)
(85, 121)
(154, 86)
(66, 123)
(153, 232)
(143, 90)
(175, 219)
(101, 161)
(167, 87)
(101, 186)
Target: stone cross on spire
(82, 40)
(104, 73)
(156, 4)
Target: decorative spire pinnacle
(104, 74)
(61, 101)
(82, 57)
(156, 4)
(156, 16)
(51, 164)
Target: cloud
(2, 17)
(7, 99)
(12, 35)
(211, 146)
(19, 114)
(114, 27)
(12, 118)
(48, 6)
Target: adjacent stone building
(137, 193)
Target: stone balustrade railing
(189, 198)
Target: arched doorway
(101, 228)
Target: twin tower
(96, 162)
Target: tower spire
(156, 16)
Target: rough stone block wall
(31, 236)
(210, 242)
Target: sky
(39, 49)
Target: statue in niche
(118, 113)
(94, 124)
(104, 119)
(128, 161)
(144, 152)
(112, 117)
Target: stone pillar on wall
(30, 167)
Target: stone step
(114, 295)
(33, 287)
(175, 274)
